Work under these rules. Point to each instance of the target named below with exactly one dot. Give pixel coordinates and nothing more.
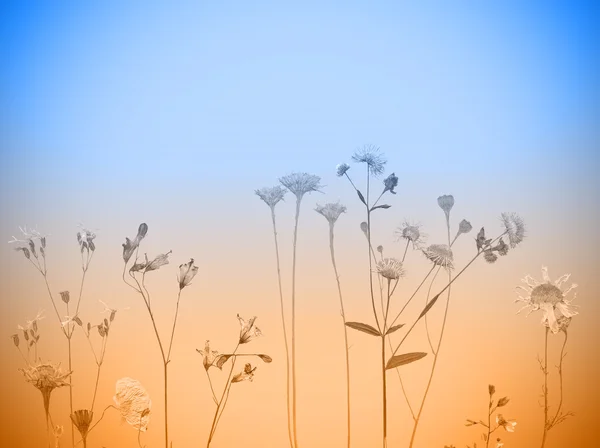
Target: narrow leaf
(265, 358)
(380, 206)
(364, 328)
(406, 358)
(394, 328)
(361, 197)
(428, 306)
(222, 360)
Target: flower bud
(65, 296)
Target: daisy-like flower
(187, 272)
(342, 168)
(549, 297)
(301, 183)
(248, 331)
(390, 268)
(246, 374)
(390, 183)
(440, 255)
(411, 232)
(508, 425)
(133, 402)
(331, 211)
(209, 356)
(271, 195)
(82, 419)
(45, 378)
(515, 228)
(370, 155)
(129, 247)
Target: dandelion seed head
(371, 155)
(342, 168)
(331, 211)
(514, 227)
(271, 195)
(440, 255)
(390, 268)
(412, 233)
(301, 183)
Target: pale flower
(440, 255)
(133, 402)
(411, 233)
(508, 425)
(187, 272)
(514, 227)
(271, 196)
(370, 155)
(550, 298)
(46, 377)
(301, 183)
(246, 374)
(209, 356)
(331, 211)
(248, 331)
(390, 268)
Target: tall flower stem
(339, 286)
(285, 340)
(294, 416)
(555, 420)
(545, 368)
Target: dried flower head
(411, 233)
(147, 266)
(380, 249)
(209, 356)
(65, 296)
(370, 155)
(440, 255)
(549, 297)
(503, 402)
(482, 242)
(248, 331)
(464, 227)
(342, 168)
(271, 195)
(129, 247)
(187, 272)
(508, 425)
(85, 239)
(489, 256)
(446, 202)
(246, 374)
(331, 211)
(390, 268)
(390, 183)
(133, 402)
(46, 377)
(82, 419)
(301, 183)
(491, 389)
(515, 228)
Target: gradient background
(118, 113)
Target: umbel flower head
(46, 377)
(549, 297)
(247, 330)
(187, 272)
(246, 374)
(370, 155)
(440, 255)
(411, 233)
(331, 211)
(515, 228)
(271, 195)
(390, 268)
(82, 419)
(209, 356)
(301, 183)
(133, 402)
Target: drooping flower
(515, 228)
(342, 168)
(129, 247)
(550, 298)
(370, 155)
(209, 356)
(412, 233)
(390, 268)
(390, 183)
(147, 266)
(440, 255)
(301, 183)
(133, 402)
(331, 211)
(248, 331)
(82, 419)
(46, 377)
(508, 425)
(187, 272)
(271, 195)
(246, 374)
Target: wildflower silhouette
(501, 422)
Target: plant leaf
(222, 360)
(265, 358)
(380, 206)
(394, 328)
(364, 328)
(361, 197)
(428, 306)
(406, 358)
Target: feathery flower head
(342, 168)
(412, 233)
(390, 183)
(549, 297)
(248, 331)
(331, 211)
(301, 183)
(209, 356)
(446, 202)
(129, 247)
(390, 268)
(133, 402)
(82, 419)
(515, 228)
(271, 195)
(370, 155)
(508, 425)
(246, 374)
(440, 255)
(46, 377)
(187, 272)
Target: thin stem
(227, 385)
(71, 394)
(294, 422)
(211, 387)
(413, 295)
(489, 423)
(285, 340)
(99, 364)
(405, 250)
(560, 375)
(174, 323)
(99, 420)
(339, 286)
(545, 388)
(384, 390)
(165, 369)
(426, 302)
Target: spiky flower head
(247, 330)
(390, 183)
(331, 211)
(440, 255)
(370, 155)
(301, 183)
(515, 228)
(390, 268)
(342, 168)
(82, 419)
(46, 377)
(411, 233)
(271, 195)
(132, 400)
(549, 297)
